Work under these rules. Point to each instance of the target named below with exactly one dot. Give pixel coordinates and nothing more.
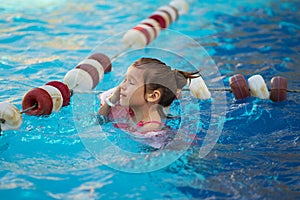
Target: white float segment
(11, 115)
(258, 87)
(199, 89)
(181, 5)
(56, 96)
(78, 80)
(135, 39)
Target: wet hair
(159, 76)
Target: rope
(184, 89)
(30, 108)
(229, 90)
(220, 89)
(293, 91)
(122, 51)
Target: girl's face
(132, 88)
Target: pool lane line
(186, 89)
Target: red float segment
(239, 87)
(278, 89)
(40, 98)
(160, 19)
(92, 71)
(103, 60)
(151, 26)
(150, 30)
(64, 90)
(168, 15)
(145, 33)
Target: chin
(123, 103)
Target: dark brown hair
(158, 76)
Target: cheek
(138, 94)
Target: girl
(149, 86)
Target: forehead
(135, 73)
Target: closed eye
(130, 79)
(131, 82)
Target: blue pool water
(257, 152)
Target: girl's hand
(115, 96)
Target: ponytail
(182, 77)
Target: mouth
(122, 95)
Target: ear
(154, 96)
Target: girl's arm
(105, 108)
(113, 99)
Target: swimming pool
(256, 155)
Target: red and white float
(103, 60)
(142, 34)
(95, 64)
(64, 90)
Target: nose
(123, 85)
